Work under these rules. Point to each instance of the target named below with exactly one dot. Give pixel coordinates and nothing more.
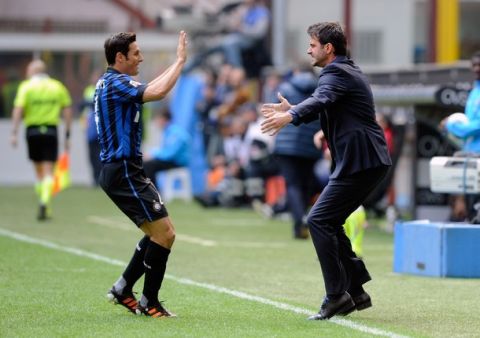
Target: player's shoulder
(23, 85)
(124, 80)
(56, 82)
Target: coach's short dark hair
(330, 32)
(119, 42)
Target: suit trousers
(342, 270)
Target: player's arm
(161, 85)
(17, 114)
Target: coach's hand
(276, 115)
(283, 106)
(182, 47)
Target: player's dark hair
(329, 32)
(119, 42)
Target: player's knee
(164, 238)
(170, 235)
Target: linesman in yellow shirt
(39, 101)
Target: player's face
(318, 53)
(134, 57)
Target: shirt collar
(112, 70)
(340, 58)
(39, 76)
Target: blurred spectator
(256, 155)
(213, 94)
(40, 100)
(248, 28)
(174, 150)
(206, 103)
(215, 177)
(237, 93)
(88, 113)
(233, 131)
(295, 151)
(469, 132)
(9, 90)
(386, 125)
(272, 81)
(224, 185)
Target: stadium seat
(176, 184)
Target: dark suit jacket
(344, 102)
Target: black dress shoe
(362, 302)
(330, 308)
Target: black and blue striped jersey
(118, 100)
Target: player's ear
(119, 57)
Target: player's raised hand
(182, 46)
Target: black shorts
(42, 143)
(133, 193)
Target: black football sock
(155, 265)
(135, 268)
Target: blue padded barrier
(437, 249)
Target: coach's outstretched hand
(182, 46)
(276, 116)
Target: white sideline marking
(186, 281)
(121, 225)
(195, 240)
(236, 222)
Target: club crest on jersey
(157, 206)
(135, 83)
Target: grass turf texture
(51, 293)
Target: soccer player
(40, 100)
(343, 102)
(118, 100)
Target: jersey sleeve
(128, 90)
(65, 98)
(20, 98)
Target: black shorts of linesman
(118, 100)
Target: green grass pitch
(231, 274)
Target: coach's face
(318, 52)
(133, 59)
